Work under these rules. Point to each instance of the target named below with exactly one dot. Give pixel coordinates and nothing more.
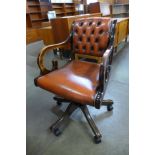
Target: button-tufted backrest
(91, 35)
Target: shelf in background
(69, 6)
(120, 13)
(36, 5)
(39, 20)
(60, 13)
(54, 7)
(120, 4)
(33, 5)
(70, 11)
(109, 9)
(36, 11)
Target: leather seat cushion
(77, 81)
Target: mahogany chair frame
(104, 74)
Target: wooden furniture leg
(56, 128)
(97, 137)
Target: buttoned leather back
(91, 35)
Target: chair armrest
(102, 78)
(106, 55)
(103, 67)
(46, 49)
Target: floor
(77, 138)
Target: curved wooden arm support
(102, 78)
(106, 56)
(46, 49)
(107, 60)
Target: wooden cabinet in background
(37, 20)
(121, 32)
(55, 31)
(121, 1)
(32, 35)
(98, 7)
(112, 10)
(61, 26)
(36, 11)
(64, 9)
(120, 10)
(46, 35)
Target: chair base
(59, 100)
(59, 125)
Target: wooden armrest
(103, 67)
(46, 49)
(106, 56)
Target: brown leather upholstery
(77, 81)
(91, 35)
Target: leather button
(96, 40)
(90, 23)
(101, 31)
(81, 23)
(92, 48)
(88, 39)
(80, 38)
(99, 23)
(76, 46)
(76, 30)
(92, 31)
(84, 47)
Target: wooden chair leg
(55, 127)
(97, 137)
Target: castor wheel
(97, 140)
(56, 131)
(59, 103)
(109, 107)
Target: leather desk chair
(79, 82)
